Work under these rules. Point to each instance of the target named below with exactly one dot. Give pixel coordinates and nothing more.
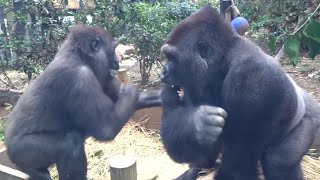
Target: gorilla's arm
(188, 130)
(93, 111)
(151, 98)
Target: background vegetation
(33, 30)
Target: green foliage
(276, 20)
(147, 26)
(99, 153)
(307, 35)
(292, 47)
(272, 18)
(272, 44)
(312, 36)
(33, 42)
(312, 30)
(144, 24)
(109, 14)
(2, 128)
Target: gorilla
(223, 94)
(74, 98)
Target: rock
(123, 51)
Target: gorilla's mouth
(179, 90)
(112, 73)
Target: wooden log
(10, 96)
(123, 168)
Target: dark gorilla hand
(208, 123)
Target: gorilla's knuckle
(219, 121)
(219, 130)
(204, 109)
(222, 112)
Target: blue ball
(240, 24)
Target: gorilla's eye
(203, 49)
(95, 44)
(170, 57)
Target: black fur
(270, 119)
(75, 97)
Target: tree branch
(9, 82)
(313, 7)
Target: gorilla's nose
(115, 65)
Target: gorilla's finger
(215, 120)
(215, 110)
(222, 113)
(213, 130)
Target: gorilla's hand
(112, 89)
(187, 131)
(130, 93)
(208, 122)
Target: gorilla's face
(111, 55)
(170, 73)
(104, 59)
(186, 64)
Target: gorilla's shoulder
(245, 54)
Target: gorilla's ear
(203, 49)
(114, 43)
(96, 44)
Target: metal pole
(224, 4)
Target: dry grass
(311, 168)
(133, 139)
(152, 159)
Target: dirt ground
(145, 145)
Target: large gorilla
(75, 97)
(270, 119)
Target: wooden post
(8, 171)
(123, 168)
(123, 75)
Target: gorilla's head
(195, 48)
(96, 47)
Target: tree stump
(123, 168)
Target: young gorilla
(270, 119)
(75, 97)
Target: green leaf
(314, 48)
(272, 44)
(99, 153)
(312, 30)
(292, 47)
